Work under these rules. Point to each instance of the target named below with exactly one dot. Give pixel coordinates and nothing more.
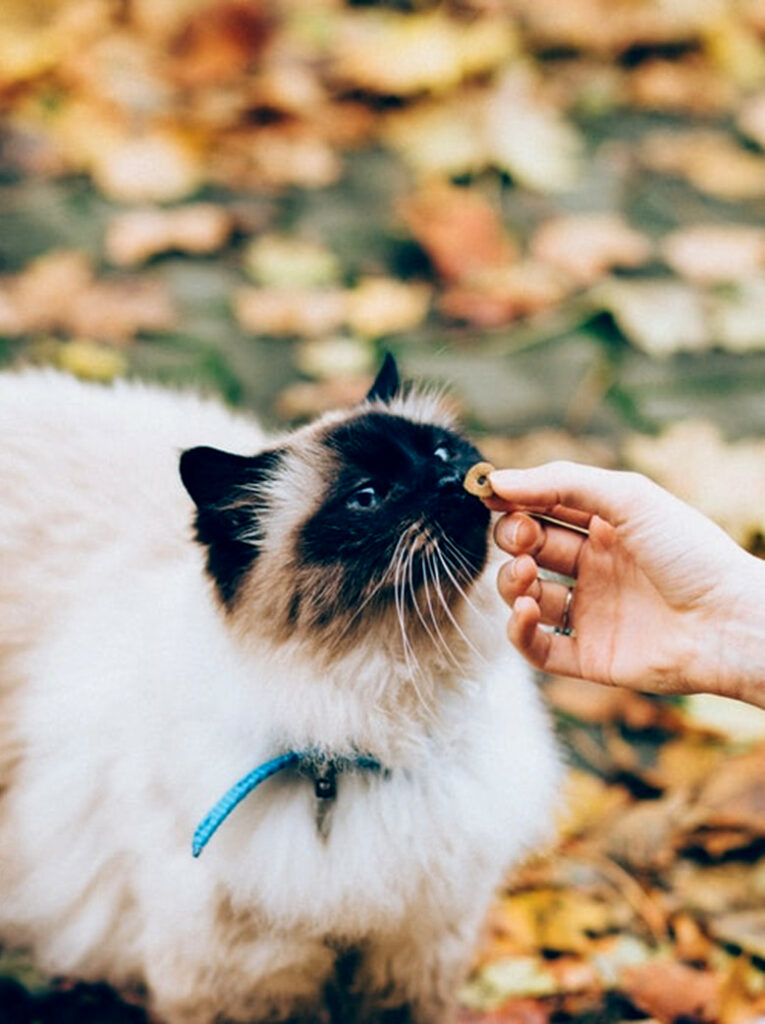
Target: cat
(323, 598)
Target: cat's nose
(450, 480)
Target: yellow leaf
(529, 138)
(335, 357)
(91, 361)
(136, 235)
(280, 261)
(658, 315)
(157, 166)
(381, 305)
(708, 253)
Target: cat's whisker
(383, 582)
(460, 631)
(453, 551)
(434, 637)
(444, 643)
(413, 665)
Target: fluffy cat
(163, 634)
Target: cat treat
(477, 480)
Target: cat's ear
(225, 489)
(213, 477)
(387, 381)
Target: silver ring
(564, 629)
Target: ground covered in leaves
(558, 209)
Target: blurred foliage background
(555, 208)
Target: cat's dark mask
(387, 519)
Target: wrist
(740, 639)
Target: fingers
(547, 651)
(567, 487)
(554, 548)
(519, 579)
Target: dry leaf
(460, 231)
(380, 305)
(284, 311)
(737, 317)
(281, 261)
(658, 315)
(157, 166)
(528, 138)
(645, 837)
(709, 160)
(587, 245)
(689, 86)
(136, 235)
(726, 481)
(672, 991)
(588, 803)
(219, 42)
(751, 118)
(709, 253)
(496, 297)
(592, 702)
(400, 55)
(335, 357)
(58, 292)
(91, 361)
(745, 929)
(734, 796)
(725, 717)
(306, 400)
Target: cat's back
(85, 467)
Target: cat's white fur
(128, 706)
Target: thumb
(613, 495)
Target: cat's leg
(271, 979)
(414, 978)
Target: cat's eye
(364, 498)
(443, 452)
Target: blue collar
(321, 768)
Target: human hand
(663, 600)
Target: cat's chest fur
(129, 703)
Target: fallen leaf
(497, 297)
(745, 929)
(751, 118)
(281, 261)
(219, 42)
(401, 55)
(158, 165)
(335, 357)
(307, 399)
(460, 230)
(724, 480)
(587, 803)
(587, 246)
(530, 139)
(710, 160)
(671, 991)
(381, 305)
(737, 317)
(710, 253)
(91, 361)
(734, 796)
(592, 702)
(645, 837)
(724, 717)
(287, 311)
(136, 235)
(58, 292)
(687, 86)
(658, 315)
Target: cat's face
(356, 518)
